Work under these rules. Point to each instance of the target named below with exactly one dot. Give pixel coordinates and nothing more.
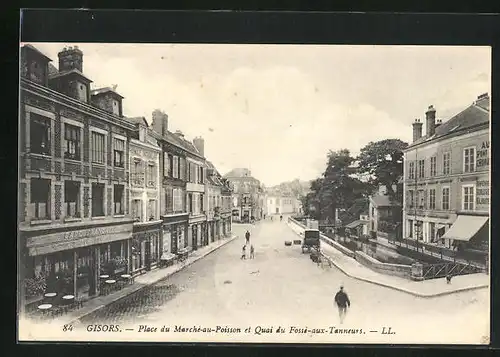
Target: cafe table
(128, 278)
(50, 295)
(44, 308)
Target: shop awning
(465, 227)
(356, 224)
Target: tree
(382, 161)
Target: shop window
(72, 198)
(432, 231)
(72, 142)
(154, 248)
(119, 152)
(118, 199)
(98, 148)
(40, 198)
(39, 134)
(97, 199)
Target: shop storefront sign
(483, 192)
(89, 236)
(483, 155)
(79, 243)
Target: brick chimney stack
(199, 143)
(417, 130)
(160, 122)
(70, 58)
(430, 117)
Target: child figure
(243, 252)
(252, 252)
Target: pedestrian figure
(244, 252)
(342, 301)
(252, 252)
(247, 237)
(281, 218)
(448, 279)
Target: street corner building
(103, 197)
(248, 196)
(74, 221)
(447, 181)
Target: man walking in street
(342, 301)
(252, 252)
(247, 237)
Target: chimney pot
(417, 130)
(430, 124)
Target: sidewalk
(141, 281)
(426, 288)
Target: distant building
(384, 213)
(219, 203)
(447, 179)
(281, 203)
(247, 195)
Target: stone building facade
(145, 186)
(248, 195)
(447, 179)
(74, 217)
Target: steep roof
(177, 141)
(138, 120)
(37, 51)
(472, 116)
(73, 71)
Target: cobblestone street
(282, 286)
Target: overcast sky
(278, 109)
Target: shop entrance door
(147, 254)
(195, 237)
(93, 274)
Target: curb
(140, 287)
(395, 287)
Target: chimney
(417, 130)
(70, 58)
(199, 143)
(180, 134)
(430, 124)
(438, 122)
(160, 122)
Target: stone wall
(403, 271)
